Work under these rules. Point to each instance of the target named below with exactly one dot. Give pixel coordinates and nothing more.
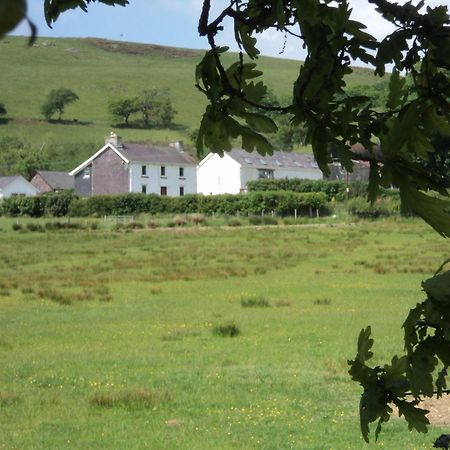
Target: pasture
(114, 340)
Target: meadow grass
(129, 358)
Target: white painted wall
(218, 175)
(224, 175)
(172, 181)
(19, 186)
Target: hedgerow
(279, 203)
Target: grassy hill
(98, 70)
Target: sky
(174, 23)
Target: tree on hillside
(57, 100)
(412, 115)
(3, 110)
(123, 108)
(19, 157)
(156, 108)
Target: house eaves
(95, 155)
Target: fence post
(295, 213)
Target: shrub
(17, 226)
(234, 222)
(255, 220)
(328, 187)
(35, 227)
(361, 208)
(227, 330)
(269, 220)
(255, 302)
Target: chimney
(114, 140)
(177, 145)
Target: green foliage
(420, 372)
(281, 203)
(3, 110)
(57, 100)
(52, 204)
(19, 157)
(330, 188)
(332, 115)
(123, 108)
(156, 108)
(362, 208)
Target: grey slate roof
(290, 160)
(57, 180)
(5, 181)
(155, 155)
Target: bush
(269, 220)
(363, 209)
(330, 188)
(35, 227)
(234, 222)
(255, 220)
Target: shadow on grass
(68, 122)
(5, 120)
(141, 126)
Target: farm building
(48, 181)
(230, 173)
(16, 185)
(121, 167)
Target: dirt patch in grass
(439, 408)
(132, 48)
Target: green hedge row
(281, 203)
(56, 205)
(330, 188)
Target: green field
(100, 70)
(107, 338)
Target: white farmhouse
(16, 185)
(230, 173)
(121, 167)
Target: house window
(181, 172)
(163, 171)
(144, 189)
(181, 191)
(265, 174)
(87, 172)
(163, 190)
(144, 171)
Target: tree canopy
(415, 111)
(56, 102)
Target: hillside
(98, 70)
